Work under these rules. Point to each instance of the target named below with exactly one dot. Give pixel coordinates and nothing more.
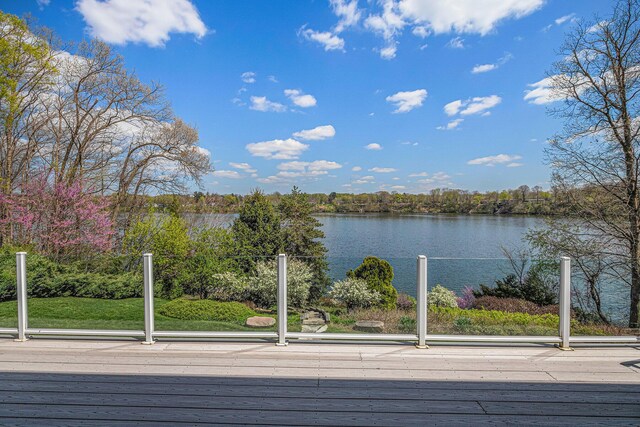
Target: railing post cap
(148, 254)
(422, 256)
(282, 255)
(565, 258)
(21, 253)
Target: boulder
(260, 322)
(373, 326)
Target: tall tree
(26, 73)
(301, 236)
(256, 231)
(595, 157)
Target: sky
(346, 95)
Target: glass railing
(600, 300)
(8, 299)
(356, 296)
(489, 296)
(94, 291)
(215, 294)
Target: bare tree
(595, 157)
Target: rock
(374, 326)
(313, 322)
(260, 322)
(322, 328)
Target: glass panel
(8, 304)
(376, 296)
(600, 297)
(95, 291)
(216, 294)
(492, 296)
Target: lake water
(461, 249)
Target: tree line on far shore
(520, 201)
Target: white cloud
(43, 3)
(348, 13)
(272, 79)
(542, 92)
(565, 18)
(465, 16)
(243, 166)
(398, 187)
(451, 125)
(356, 168)
(300, 99)
(227, 174)
(452, 108)
(514, 165)
(277, 149)
(389, 52)
(438, 179)
(382, 170)
(364, 180)
(494, 160)
(490, 67)
(483, 68)
(419, 174)
(124, 21)
(456, 43)
(248, 77)
(328, 40)
(407, 101)
(261, 103)
(421, 31)
(317, 133)
(316, 165)
(373, 146)
(476, 105)
(292, 171)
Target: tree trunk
(634, 293)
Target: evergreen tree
(301, 236)
(256, 231)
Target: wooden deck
(82, 382)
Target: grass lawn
(93, 313)
(125, 314)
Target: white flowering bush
(354, 293)
(442, 297)
(263, 286)
(228, 286)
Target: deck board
(115, 383)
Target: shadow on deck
(51, 399)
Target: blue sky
(396, 95)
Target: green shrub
(354, 293)
(263, 286)
(378, 274)
(185, 309)
(168, 239)
(442, 297)
(407, 324)
(228, 286)
(533, 288)
(513, 305)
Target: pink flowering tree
(60, 220)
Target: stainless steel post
(21, 291)
(147, 260)
(421, 306)
(282, 300)
(564, 303)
